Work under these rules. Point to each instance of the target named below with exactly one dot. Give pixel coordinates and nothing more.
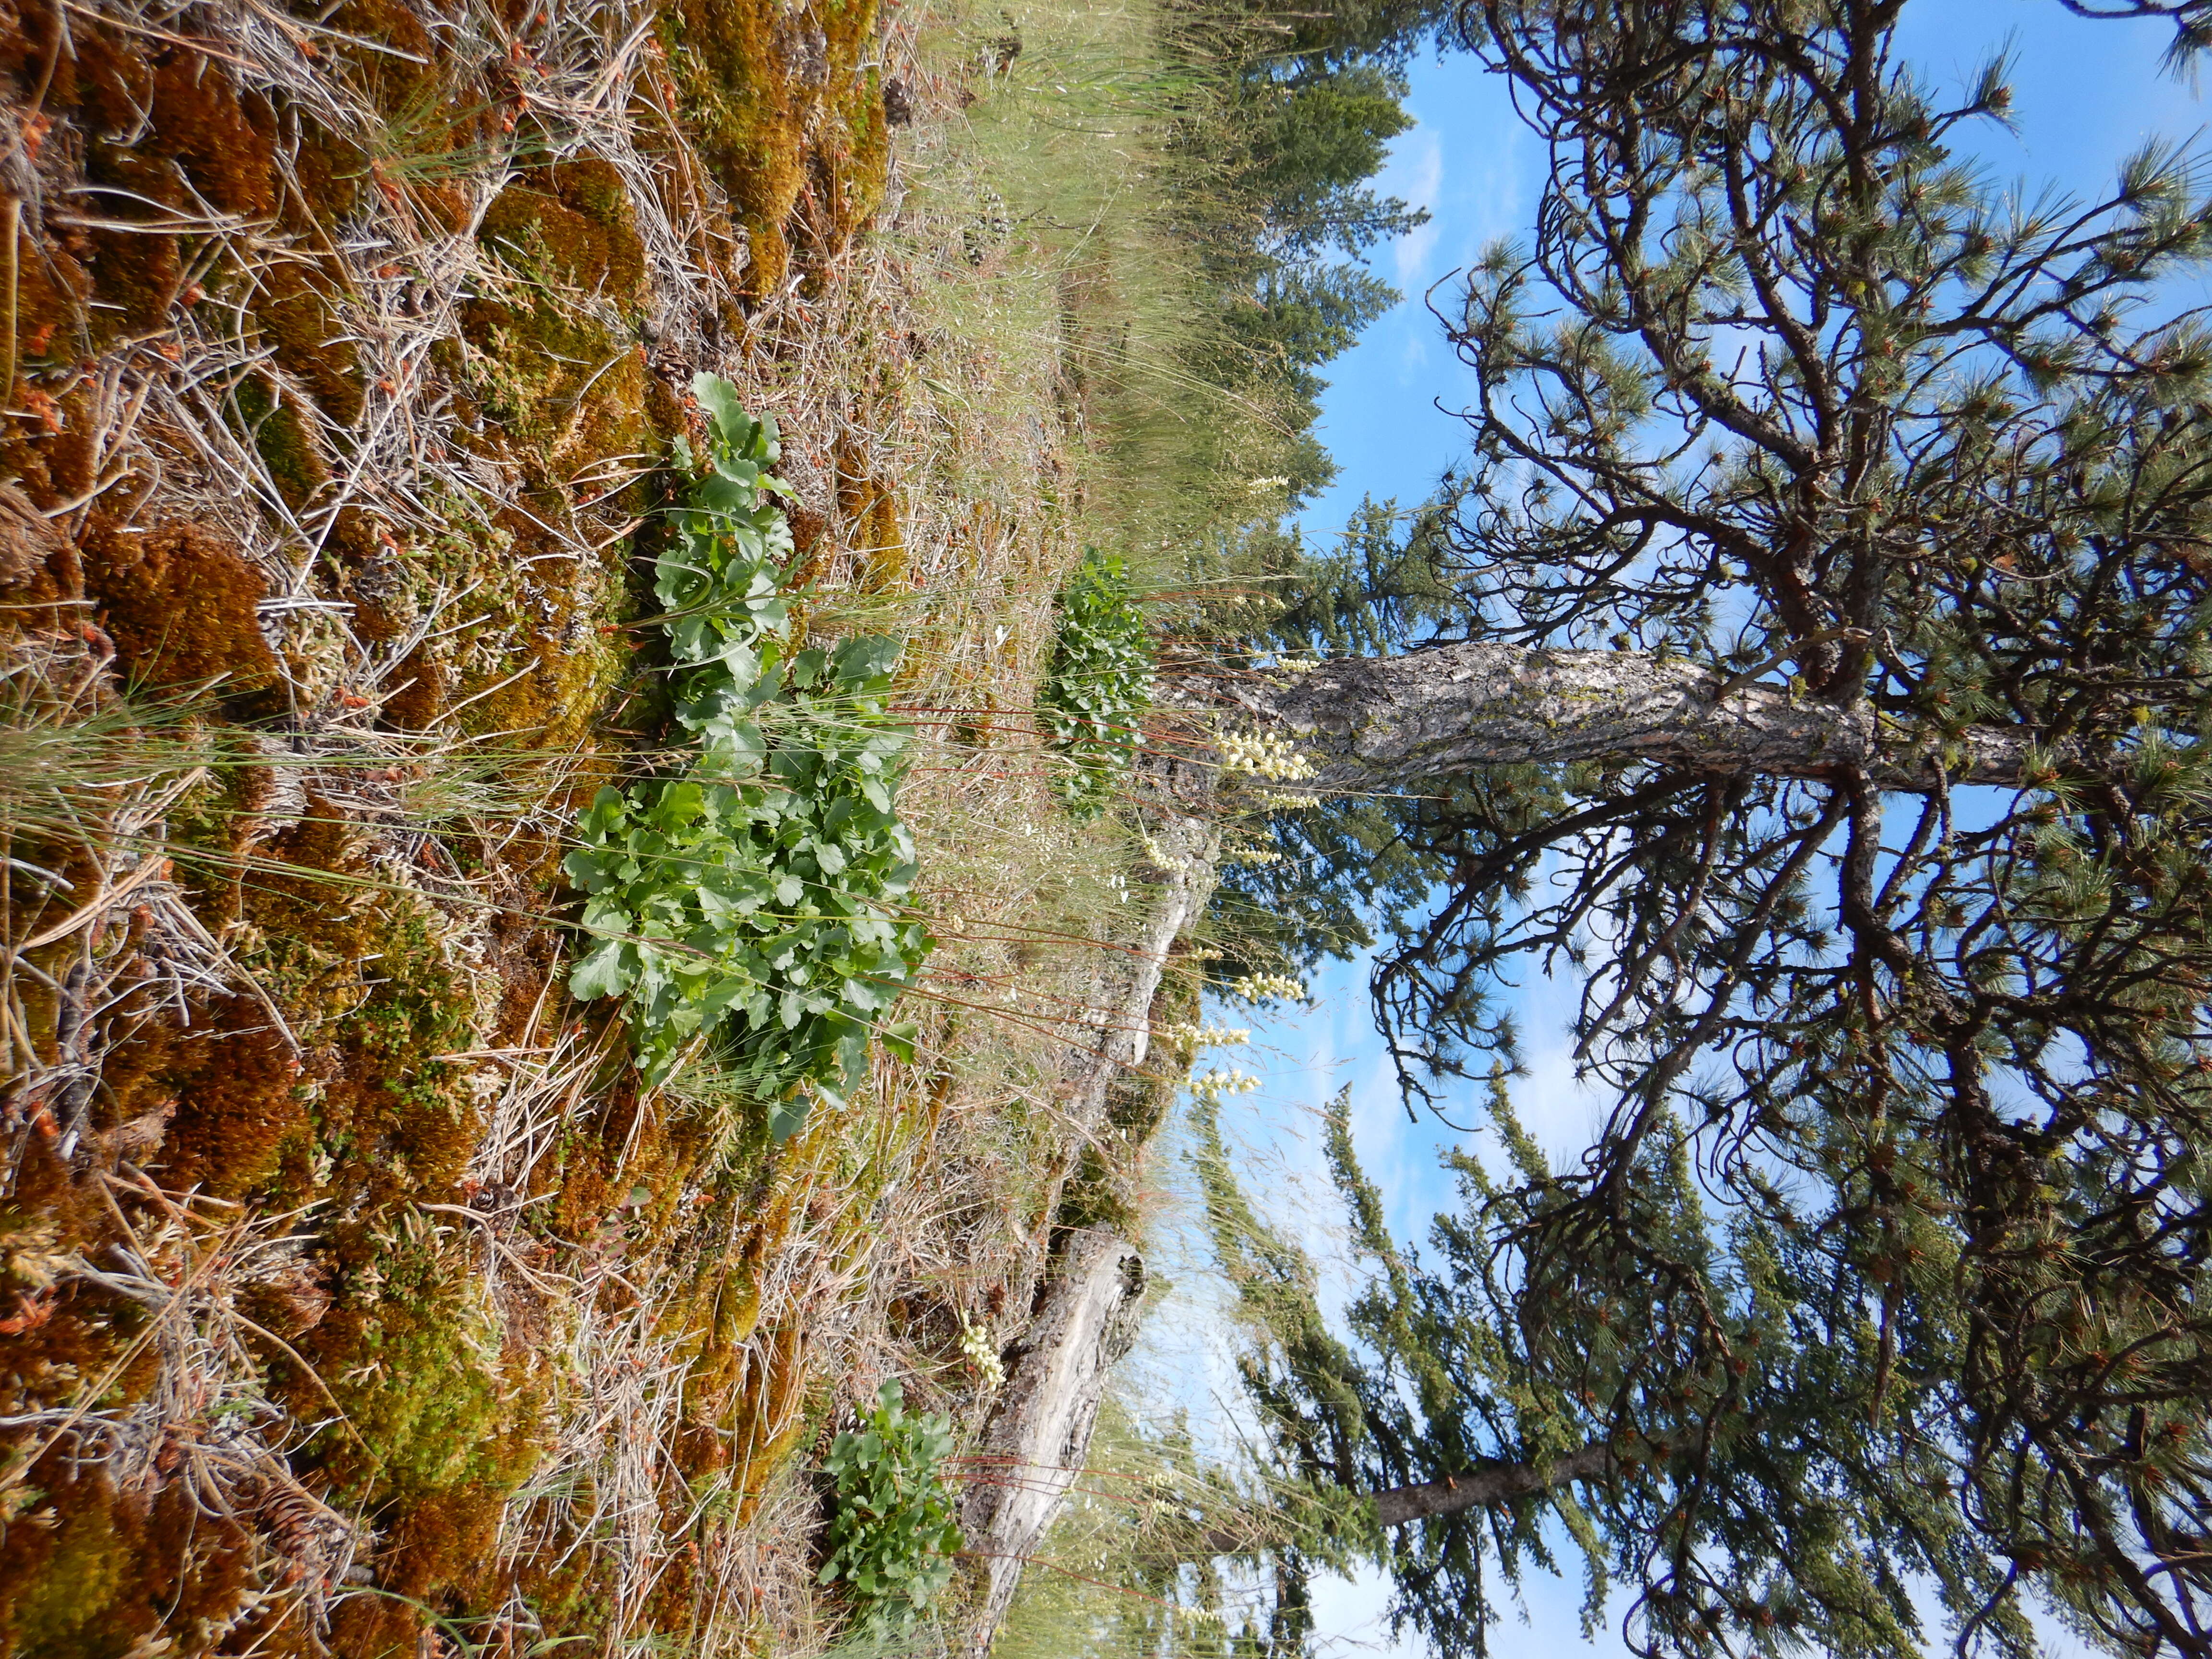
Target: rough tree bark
(1492, 1483)
(1377, 721)
(1039, 1435)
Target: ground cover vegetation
(748, 892)
(892, 1539)
(381, 581)
(1813, 669)
(1100, 681)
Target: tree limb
(1492, 1483)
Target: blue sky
(2086, 94)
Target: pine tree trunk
(1374, 722)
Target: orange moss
(388, 23)
(37, 566)
(420, 696)
(165, 129)
(179, 602)
(238, 1104)
(86, 1569)
(532, 227)
(782, 110)
(449, 1545)
(374, 1123)
(769, 1420)
(57, 467)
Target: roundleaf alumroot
(743, 904)
(892, 1538)
(1100, 681)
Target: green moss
(853, 159)
(542, 239)
(376, 999)
(414, 1114)
(280, 436)
(582, 209)
(562, 387)
(555, 628)
(595, 188)
(68, 1611)
(436, 1440)
(561, 383)
(406, 1117)
(770, 134)
(739, 99)
(311, 344)
(425, 1398)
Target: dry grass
(204, 1434)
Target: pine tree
(2193, 21)
(1829, 691)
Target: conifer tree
(1828, 690)
(2192, 20)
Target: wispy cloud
(1416, 173)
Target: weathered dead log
(1181, 872)
(1039, 1434)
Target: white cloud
(1350, 1615)
(1562, 1112)
(1416, 173)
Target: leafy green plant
(1100, 681)
(892, 1537)
(744, 903)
